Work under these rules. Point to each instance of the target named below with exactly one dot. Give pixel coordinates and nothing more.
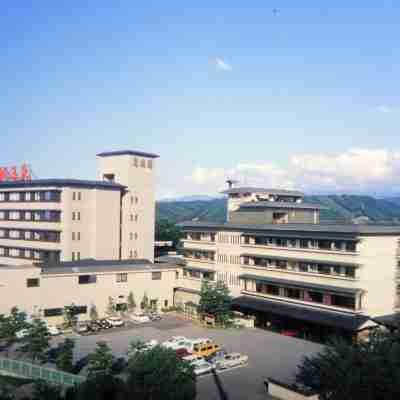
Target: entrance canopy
(349, 322)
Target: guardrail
(28, 370)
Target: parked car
(182, 352)
(232, 360)
(154, 316)
(194, 360)
(140, 318)
(93, 327)
(177, 342)
(81, 327)
(104, 323)
(290, 332)
(115, 321)
(53, 330)
(53, 353)
(202, 368)
(216, 356)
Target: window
(73, 195)
(293, 293)
(149, 164)
(316, 297)
(135, 253)
(78, 255)
(136, 236)
(73, 235)
(136, 218)
(130, 254)
(123, 277)
(142, 163)
(14, 196)
(135, 162)
(351, 246)
(130, 236)
(73, 256)
(176, 274)
(79, 236)
(343, 301)
(87, 279)
(324, 269)
(79, 215)
(131, 217)
(79, 195)
(136, 199)
(165, 303)
(303, 267)
(350, 272)
(73, 216)
(53, 312)
(32, 282)
(131, 199)
(156, 276)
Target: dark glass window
(156, 276)
(343, 301)
(53, 312)
(293, 293)
(32, 282)
(316, 297)
(87, 279)
(273, 290)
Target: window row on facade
(197, 274)
(30, 234)
(314, 244)
(200, 236)
(306, 295)
(201, 255)
(31, 196)
(322, 268)
(46, 256)
(30, 215)
(142, 163)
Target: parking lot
(269, 353)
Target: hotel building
(289, 270)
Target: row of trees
(157, 374)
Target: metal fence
(28, 370)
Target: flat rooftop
(76, 183)
(99, 266)
(279, 204)
(127, 153)
(249, 189)
(352, 229)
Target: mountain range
(336, 209)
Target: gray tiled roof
(280, 204)
(350, 229)
(79, 183)
(249, 189)
(127, 152)
(99, 266)
(351, 322)
(300, 284)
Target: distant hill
(337, 208)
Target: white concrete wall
(140, 186)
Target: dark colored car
(53, 353)
(104, 324)
(182, 352)
(213, 358)
(289, 332)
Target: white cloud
(222, 65)
(385, 109)
(369, 171)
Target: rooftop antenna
(231, 182)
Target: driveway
(269, 353)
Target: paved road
(269, 353)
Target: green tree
(145, 302)
(366, 370)
(70, 317)
(110, 310)
(45, 391)
(134, 346)
(168, 231)
(93, 313)
(65, 359)
(11, 324)
(101, 387)
(215, 299)
(159, 374)
(131, 302)
(6, 393)
(37, 342)
(101, 360)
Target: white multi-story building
(289, 270)
(50, 220)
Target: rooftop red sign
(21, 173)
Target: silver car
(232, 360)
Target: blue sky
(308, 96)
